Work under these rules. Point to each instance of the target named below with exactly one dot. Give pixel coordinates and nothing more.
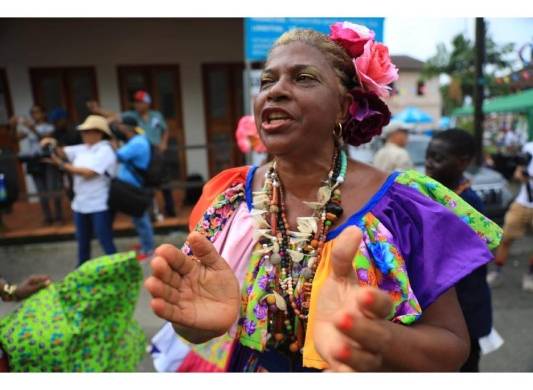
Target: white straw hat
(95, 122)
(392, 127)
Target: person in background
(155, 129)
(46, 177)
(92, 164)
(65, 135)
(517, 220)
(511, 141)
(448, 155)
(134, 155)
(393, 155)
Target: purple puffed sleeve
(439, 248)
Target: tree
(459, 65)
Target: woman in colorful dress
(312, 261)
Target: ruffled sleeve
(487, 230)
(213, 188)
(441, 238)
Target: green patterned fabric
(486, 229)
(81, 324)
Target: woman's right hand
(351, 332)
(199, 294)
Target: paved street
(513, 316)
(513, 308)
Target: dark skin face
(299, 88)
(141, 107)
(443, 165)
(125, 130)
(37, 114)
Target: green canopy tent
(521, 102)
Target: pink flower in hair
(352, 37)
(375, 69)
(247, 137)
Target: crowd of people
(82, 161)
(48, 179)
(518, 219)
(310, 261)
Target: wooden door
(8, 139)
(69, 88)
(162, 82)
(223, 105)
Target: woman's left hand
(351, 332)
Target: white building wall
(431, 102)
(107, 43)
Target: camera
(44, 151)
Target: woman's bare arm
(439, 341)
(352, 333)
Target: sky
(419, 36)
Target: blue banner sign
(260, 33)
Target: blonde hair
(335, 54)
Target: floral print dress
(419, 240)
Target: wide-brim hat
(393, 127)
(95, 122)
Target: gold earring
(337, 130)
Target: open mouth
(274, 119)
(277, 117)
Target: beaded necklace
(292, 257)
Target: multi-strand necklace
(294, 256)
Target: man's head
(448, 155)
(59, 118)
(141, 102)
(396, 133)
(94, 129)
(37, 113)
(127, 128)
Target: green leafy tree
(459, 65)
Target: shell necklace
(294, 256)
